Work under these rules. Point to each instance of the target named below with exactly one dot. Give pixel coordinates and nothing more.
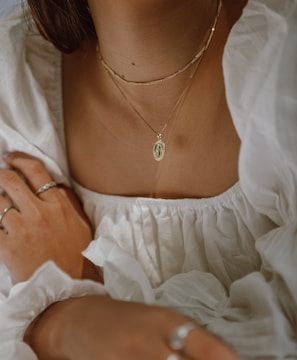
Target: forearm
(82, 328)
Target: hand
(116, 330)
(50, 226)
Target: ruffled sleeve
(28, 299)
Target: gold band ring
(4, 212)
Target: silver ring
(179, 336)
(46, 187)
(4, 212)
(173, 357)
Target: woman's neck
(147, 39)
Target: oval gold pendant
(159, 150)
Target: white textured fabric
(229, 261)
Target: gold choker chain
(196, 57)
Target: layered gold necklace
(159, 146)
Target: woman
(151, 145)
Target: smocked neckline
(217, 201)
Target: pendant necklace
(159, 146)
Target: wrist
(54, 334)
(46, 334)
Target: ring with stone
(46, 187)
(173, 357)
(179, 335)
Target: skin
(201, 137)
(20, 242)
(115, 144)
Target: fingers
(15, 188)
(202, 344)
(5, 208)
(16, 197)
(156, 351)
(34, 172)
(194, 342)
(175, 356)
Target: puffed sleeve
(261, 78)
(29, 113)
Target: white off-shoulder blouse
(230, 261)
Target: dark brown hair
(65, 23)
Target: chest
(110, 150)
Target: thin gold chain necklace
(196, 57)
